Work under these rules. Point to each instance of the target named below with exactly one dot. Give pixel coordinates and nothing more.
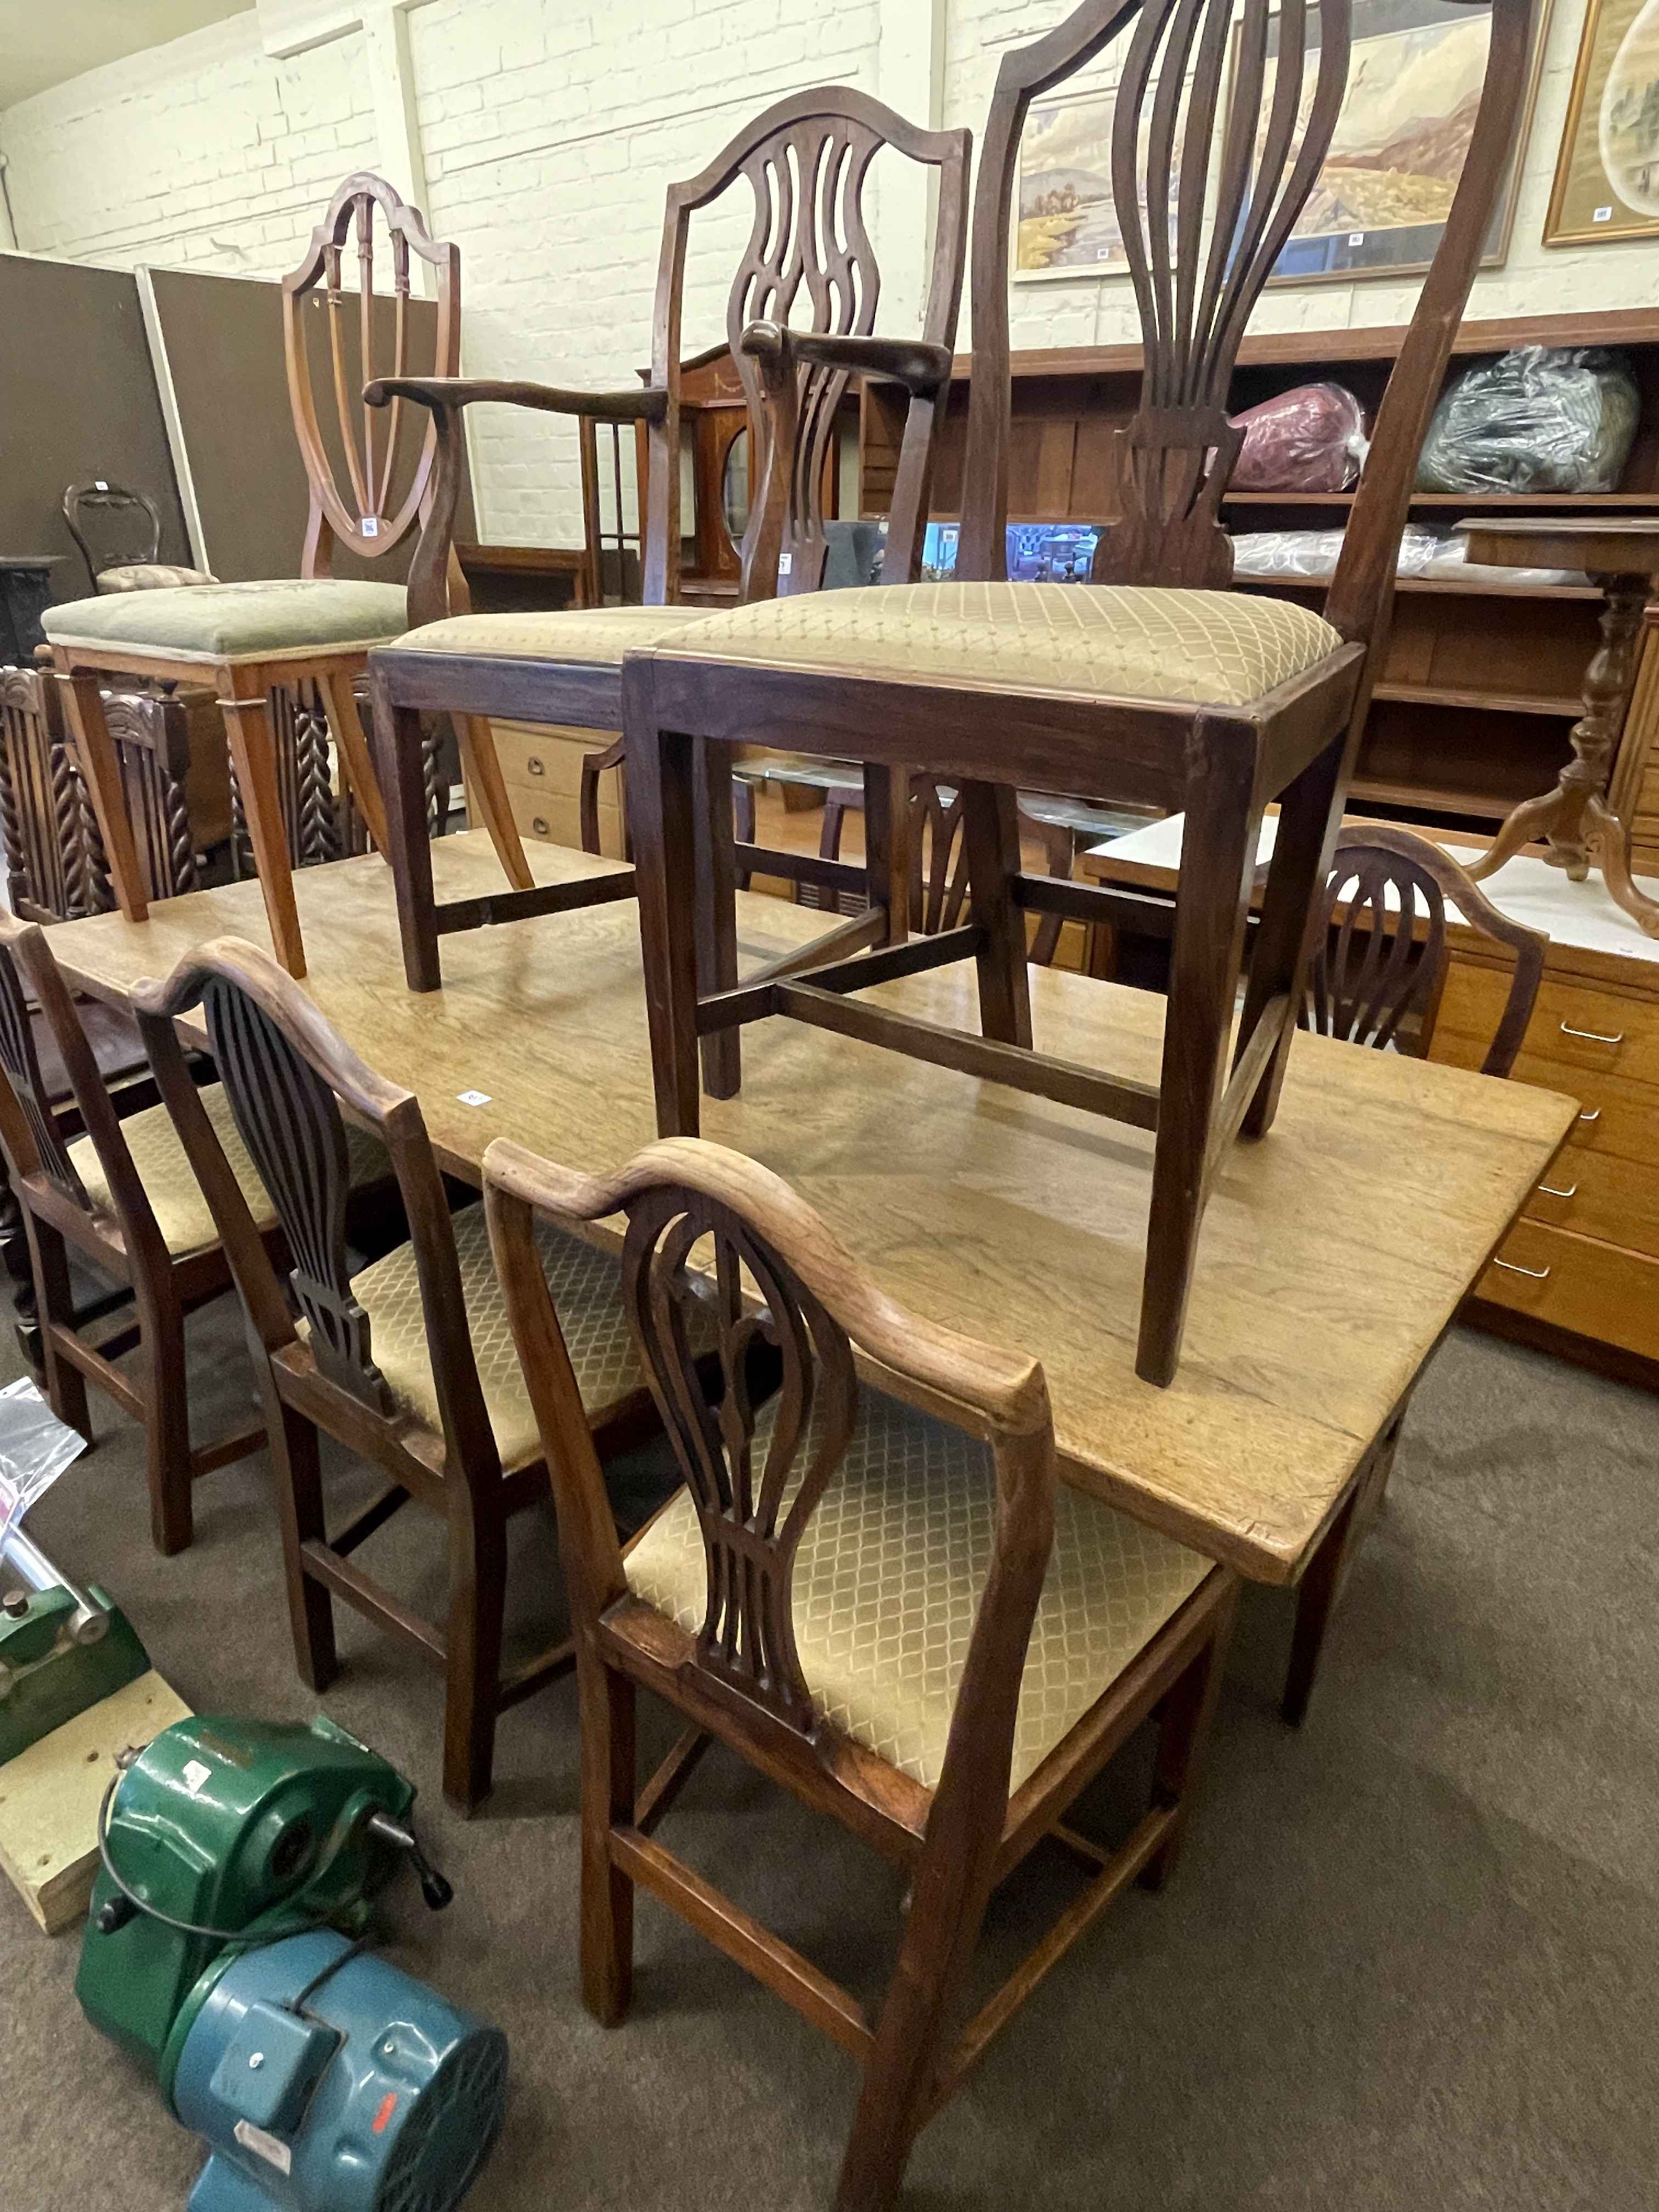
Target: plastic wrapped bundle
(1312, 439)
(1423, 552)
(1540, 419)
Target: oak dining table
(1335, 1253)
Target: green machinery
(225, 1951)
(63, 1648)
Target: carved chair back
(286, 1072)
(708, 1227)
(938, 857)
(1380, 959)
(1210, 169)
(806, 161)
(369, 493)
(43, 809)
(34, 1131)
(113, 527)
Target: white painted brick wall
(549, 130)
(203, 153)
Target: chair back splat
(368, 476)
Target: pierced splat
(1373, 977)
(752, 1517)
(938, 857)
(381, 494)
(289, 1119)
(21, 1065)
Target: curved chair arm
(449, 394)
(923, 369)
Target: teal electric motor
(225, 1951)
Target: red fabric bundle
(1312, 439)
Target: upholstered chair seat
(181, 1212)
(1215, 649)
(595, 635)
(149, 576)
(889, 1578)
(221, 623)
(588, 1284)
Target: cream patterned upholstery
(888, 1580)
(589, 636)
(236, 621)
(587, 1289)
(1215, 649)
(182, 1214)
(149, 576)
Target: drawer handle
(1594, 1114)
(1534, 1274)
(1545, 1191)
(538, 823)
(536, 765)
(1592, 1036)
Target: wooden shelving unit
(1481, 685)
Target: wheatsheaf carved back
(757, 1475)
(22, 1066)
(1373, 976)
(289, 1120)
(938, 857)
(367, 493)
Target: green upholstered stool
(243, 638)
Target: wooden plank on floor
(50, 1795)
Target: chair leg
(253, 750)
(66, 1387)
(609, 1775)
(887, 847)
(991, 832)
(409, 846)
(717, 915)
(1217, 861)
(661, 811)
(477, 1596)
(295, 1458)
(101, 768)
(1309, 815)
(341, 702)
(485, 783)
(742, 819)
(167, 1424)
(1183, 1725)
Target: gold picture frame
(1587, 207)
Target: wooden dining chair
(1379, 964)
(408, 1361)
(895, 1613)
(119, 534)
(122, 1198)
(244, 638)
(1152, 684)
(806, 162)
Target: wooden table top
(1335, 1251)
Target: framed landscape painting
(1607, 177)
(1068, 225)
(1382, 196)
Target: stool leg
(253, 750)
(409, 844)
(103, 770)
(661, 812)
(991, 832)
(1224, 820)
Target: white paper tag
(785, 564)
(1602, 215)
(264, 2146)
(194, 1775)
(99, 484)
(1356, 238)
(371, 525)
(473, 1097)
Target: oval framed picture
(1606, 176)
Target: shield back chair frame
(286, 1071)
(812, 679)
(223, 635)
(118, 1237)
(753, 1493)
(805, 159)
(1372, 972)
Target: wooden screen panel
(222, 337)
(78, 400)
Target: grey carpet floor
(1409, 1961)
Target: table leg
(1316, 1603)
(253, 750)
